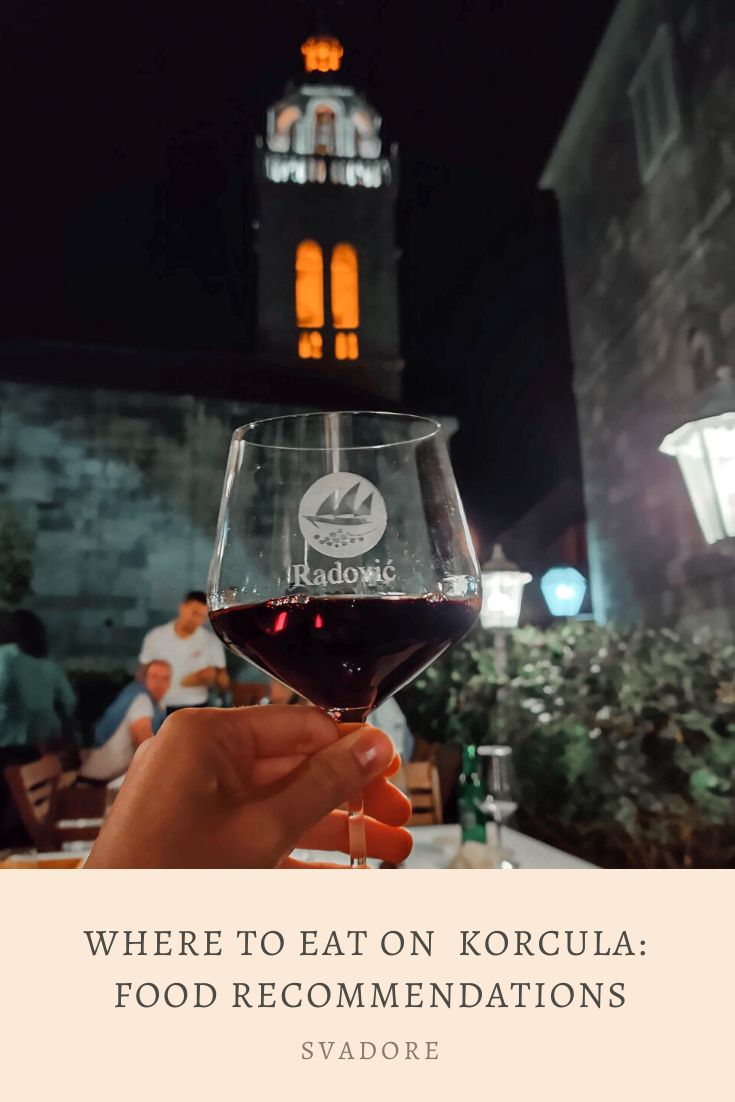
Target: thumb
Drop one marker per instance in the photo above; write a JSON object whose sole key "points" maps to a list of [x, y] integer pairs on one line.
{"points": [[329, 778]]}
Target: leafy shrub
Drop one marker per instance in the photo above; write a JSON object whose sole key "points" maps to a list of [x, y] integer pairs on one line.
{"points": [[624, 742]]}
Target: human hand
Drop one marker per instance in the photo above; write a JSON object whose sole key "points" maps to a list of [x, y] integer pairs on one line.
{"points": [[242, 787]]}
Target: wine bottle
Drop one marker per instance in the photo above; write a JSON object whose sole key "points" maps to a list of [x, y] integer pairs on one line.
{"points": [[471, 794]]}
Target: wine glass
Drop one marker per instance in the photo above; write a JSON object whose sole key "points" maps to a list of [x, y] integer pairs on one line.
{"points": [[342, 564], [500, 802]]}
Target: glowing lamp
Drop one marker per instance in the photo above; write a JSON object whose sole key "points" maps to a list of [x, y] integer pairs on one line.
{"points": [[705, 451], [563, 588], [322, 54], [502, 591]]}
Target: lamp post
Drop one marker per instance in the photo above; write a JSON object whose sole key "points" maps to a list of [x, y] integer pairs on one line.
{"points": [[563, 588], [502, 593], [705, 451]]}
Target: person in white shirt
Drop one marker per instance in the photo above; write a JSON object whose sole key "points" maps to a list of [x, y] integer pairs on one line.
{"points": [[195, 654], [112, 758]]}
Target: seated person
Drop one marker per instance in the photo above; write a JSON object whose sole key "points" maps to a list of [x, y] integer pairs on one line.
{"points": [[36, 699], [134, 716]]}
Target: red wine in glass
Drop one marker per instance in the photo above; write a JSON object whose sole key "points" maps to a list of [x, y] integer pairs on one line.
{"points": [[342, 563], [345, 654]]}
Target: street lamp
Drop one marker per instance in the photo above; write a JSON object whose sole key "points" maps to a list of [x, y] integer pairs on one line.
{"points": [[563, 588], [705, 451], [502, 592]]}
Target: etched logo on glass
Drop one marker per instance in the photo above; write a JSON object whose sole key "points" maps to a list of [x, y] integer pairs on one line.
{"points": [[342, 515]]}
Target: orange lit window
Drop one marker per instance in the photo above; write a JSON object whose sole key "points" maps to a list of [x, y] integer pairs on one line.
{"points": [[346, 346], [340, 346], [309, 286], [310, 346], [345, 291]]}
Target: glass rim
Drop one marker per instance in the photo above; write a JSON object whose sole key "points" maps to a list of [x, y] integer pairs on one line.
{"points": [[433, 427]]}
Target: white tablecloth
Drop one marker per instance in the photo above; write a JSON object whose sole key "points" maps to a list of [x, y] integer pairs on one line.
{"points": [[435, 846]]}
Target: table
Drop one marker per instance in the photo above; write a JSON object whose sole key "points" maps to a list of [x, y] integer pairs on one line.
{"points": [[435, 846]]}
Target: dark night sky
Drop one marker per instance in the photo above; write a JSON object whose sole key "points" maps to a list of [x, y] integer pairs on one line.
{"points": [[110, 103]]}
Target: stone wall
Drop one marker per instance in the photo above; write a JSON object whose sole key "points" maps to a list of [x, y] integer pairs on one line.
{"points": [[120, 491], [651, 292]]}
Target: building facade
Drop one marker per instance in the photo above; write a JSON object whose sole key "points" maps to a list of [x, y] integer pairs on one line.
{"points": [[644, 174], [112, 458]]}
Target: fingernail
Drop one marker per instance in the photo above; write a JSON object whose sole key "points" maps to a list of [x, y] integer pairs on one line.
{"points": [[373, 750]]}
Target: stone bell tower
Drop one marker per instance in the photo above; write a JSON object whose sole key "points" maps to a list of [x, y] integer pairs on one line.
{"points": [[325, 232]]}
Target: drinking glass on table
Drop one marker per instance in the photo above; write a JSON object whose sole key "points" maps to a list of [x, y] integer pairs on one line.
{"points": [[342, 564], [500, 802]]}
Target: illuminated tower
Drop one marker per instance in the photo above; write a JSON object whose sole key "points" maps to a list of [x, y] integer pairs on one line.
{"points": [[326, 250]]}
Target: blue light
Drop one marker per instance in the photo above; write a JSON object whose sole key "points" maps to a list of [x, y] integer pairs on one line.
{"points": [[563, 588]]}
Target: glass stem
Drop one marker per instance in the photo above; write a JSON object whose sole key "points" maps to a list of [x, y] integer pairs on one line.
{"points": [[356, 815], [356, 827]]}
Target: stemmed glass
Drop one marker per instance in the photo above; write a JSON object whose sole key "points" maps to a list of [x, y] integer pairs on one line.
{"points": [[500, 802], [342, 564]]}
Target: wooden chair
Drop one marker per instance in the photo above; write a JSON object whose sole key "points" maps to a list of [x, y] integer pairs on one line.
{"points": [[68, 861], [35, 789], [424, 792]]}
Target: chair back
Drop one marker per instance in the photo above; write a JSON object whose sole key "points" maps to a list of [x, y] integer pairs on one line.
{"points": [[424, 792], [35, 788]]}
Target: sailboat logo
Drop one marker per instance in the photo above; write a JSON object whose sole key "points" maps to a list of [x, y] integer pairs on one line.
{"points": [[342, 515]]}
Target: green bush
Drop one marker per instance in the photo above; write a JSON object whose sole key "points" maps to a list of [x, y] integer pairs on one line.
{"points": [[624, 742]]}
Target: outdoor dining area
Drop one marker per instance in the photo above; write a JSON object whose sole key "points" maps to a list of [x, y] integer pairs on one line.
{"points": [[61, 821]]}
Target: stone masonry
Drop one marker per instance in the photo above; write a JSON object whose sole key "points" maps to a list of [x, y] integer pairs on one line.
{"points": [[121, 492], [651, 292]]}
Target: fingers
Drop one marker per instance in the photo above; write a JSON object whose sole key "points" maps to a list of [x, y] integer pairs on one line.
{"points": [[228, 742], [327, 779], [384, 801], [394, 766], [271, 770], [262, 746], [267, 770], [384, 842], [350, 728], [275, 731]]}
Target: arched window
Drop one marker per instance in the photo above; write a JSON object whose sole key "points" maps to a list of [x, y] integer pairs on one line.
{"points": [[309, 286], [345, 288], [325, 132]]}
